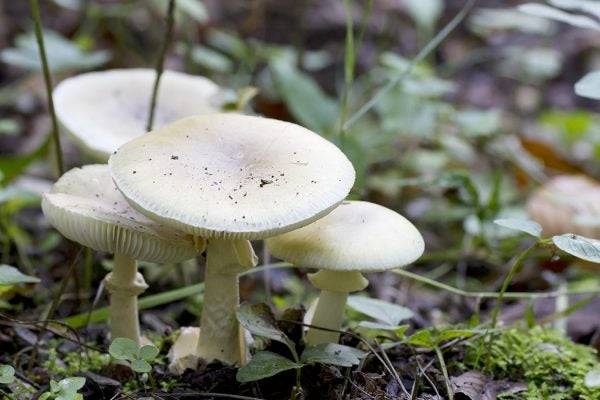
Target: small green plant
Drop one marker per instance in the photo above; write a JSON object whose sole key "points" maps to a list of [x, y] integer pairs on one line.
{"points": [[65, 389], [260, 321], [139, 358], [7, 374]]}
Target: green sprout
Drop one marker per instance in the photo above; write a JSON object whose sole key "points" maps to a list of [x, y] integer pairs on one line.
{"points": [[66, 389], [139, 358], [7, 374]]}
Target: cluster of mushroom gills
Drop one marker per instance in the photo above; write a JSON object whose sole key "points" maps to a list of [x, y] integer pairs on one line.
{"points": [[354, 238]]}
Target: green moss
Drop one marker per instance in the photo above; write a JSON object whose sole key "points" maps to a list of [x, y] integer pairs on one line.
{"points": [[550, 364]]}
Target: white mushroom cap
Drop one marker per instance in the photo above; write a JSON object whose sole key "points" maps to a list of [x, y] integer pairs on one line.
{"points": [[86, 207], [103, 110], [356, 236], [232, 176]]}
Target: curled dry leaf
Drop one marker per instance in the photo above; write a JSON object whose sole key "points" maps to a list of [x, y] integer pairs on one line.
{"points": [[474, 385], [567, 204]]}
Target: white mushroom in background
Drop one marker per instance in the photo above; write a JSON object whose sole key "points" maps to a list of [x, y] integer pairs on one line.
{"points": [[85, 206], [354, 238], [103, 110], [230, 178]]}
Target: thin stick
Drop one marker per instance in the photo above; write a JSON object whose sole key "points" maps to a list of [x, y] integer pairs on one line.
{"points": [[161, 61], [37, 20]]}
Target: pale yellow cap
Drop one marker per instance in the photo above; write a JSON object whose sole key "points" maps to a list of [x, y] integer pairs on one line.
{"points": [[232, 176], [103, 110], [356, 236]]}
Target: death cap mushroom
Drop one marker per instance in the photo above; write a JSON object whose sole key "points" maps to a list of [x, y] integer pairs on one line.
{"points": [[103, 110], [86, 207], [354, 238]]}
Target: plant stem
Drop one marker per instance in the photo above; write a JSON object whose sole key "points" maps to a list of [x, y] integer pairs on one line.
{"points": [[440, 357], [161, 61], [37, 20], [418, 58]]}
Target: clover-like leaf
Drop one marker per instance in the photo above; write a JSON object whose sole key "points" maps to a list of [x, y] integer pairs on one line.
{"points": [[522, 225], [259, 320], [7, 374], [390, 314], [123, 349], [148, 352], [578, 246], [141, 366], [11, 276]]}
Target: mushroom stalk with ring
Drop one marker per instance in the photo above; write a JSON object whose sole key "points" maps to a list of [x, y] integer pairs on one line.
{"points": [[124, 285], [220, 333]]}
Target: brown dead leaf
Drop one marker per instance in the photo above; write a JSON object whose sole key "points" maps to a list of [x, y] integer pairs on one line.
{"points": [[473, 385]]}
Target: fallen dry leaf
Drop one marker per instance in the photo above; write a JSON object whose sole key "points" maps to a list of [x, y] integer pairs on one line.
{"points": [[474, 385]]}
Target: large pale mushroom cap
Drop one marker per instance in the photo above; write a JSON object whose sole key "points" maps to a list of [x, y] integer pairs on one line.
{"points": [[356, 236], [232, 176], [86, 207], [103, 110]]}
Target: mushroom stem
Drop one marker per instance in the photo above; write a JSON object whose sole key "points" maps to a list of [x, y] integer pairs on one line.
{"points": [[329, 316], [124, 285], [220, 334], [329, 312]]}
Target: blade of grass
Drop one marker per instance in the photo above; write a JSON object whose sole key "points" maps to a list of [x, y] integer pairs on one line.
{"points": [[435, 42], [37, 20]]}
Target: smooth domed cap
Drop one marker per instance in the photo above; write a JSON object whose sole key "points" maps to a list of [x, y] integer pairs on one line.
{"points": [[103, 110], [232, 176], [86, 207], [356, 236]]}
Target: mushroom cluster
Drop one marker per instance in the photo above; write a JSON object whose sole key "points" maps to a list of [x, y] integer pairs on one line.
{"points": [[230, 178]]}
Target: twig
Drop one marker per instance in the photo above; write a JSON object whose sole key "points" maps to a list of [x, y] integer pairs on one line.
{"points": [[37, 20], [161, 61]]}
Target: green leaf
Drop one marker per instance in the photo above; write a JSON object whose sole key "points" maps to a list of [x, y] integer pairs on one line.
{"points": [[7, 374], [263, 365], [390, 314], [148, 352], [522, 225], [259, 320], [578, 246], [450, 334], [421, 338], [425, 12], [332, 353], [62, 54], [304, 98], [13, 166], [140, 366], [123, 349], [12, 276], [71, 385], [589, 86], [542, 10], [384, 327]]}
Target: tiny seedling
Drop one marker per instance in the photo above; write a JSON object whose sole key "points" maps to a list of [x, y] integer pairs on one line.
{"points": [[139, 358], [65, 389], [7, 374], [259, 320]]}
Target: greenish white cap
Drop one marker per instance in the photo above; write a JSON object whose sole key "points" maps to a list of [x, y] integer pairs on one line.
{"points": [[103, 110], [232, 176], [356, 236], [85, 206]]}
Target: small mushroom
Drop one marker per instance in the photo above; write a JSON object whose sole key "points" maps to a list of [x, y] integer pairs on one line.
{"points": [[354, 238], [217, 188], [103, 110], [85, 206]]}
